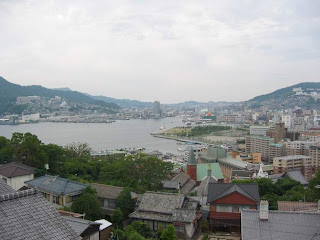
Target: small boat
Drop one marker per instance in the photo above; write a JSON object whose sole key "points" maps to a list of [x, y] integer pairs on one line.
{"points": [[181, 149]]}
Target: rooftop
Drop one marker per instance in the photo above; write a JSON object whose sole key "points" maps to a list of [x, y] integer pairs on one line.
{"points": [[27, 215], [280, 225], [297, 206], [219, 190], [292, 157], [14, 169], [57, 185], [107, 191], [233, 162]]}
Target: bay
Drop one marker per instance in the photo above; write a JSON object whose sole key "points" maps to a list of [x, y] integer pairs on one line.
{"points": [[102, 136]]}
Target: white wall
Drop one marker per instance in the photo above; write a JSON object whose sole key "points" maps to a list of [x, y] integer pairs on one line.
{"points": [[17, 182]]}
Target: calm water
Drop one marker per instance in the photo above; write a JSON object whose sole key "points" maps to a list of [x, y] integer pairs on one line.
{"points": [[102, 136]]}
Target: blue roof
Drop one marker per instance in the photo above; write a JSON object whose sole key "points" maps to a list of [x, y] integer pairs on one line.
{"points": [[56, 185]]}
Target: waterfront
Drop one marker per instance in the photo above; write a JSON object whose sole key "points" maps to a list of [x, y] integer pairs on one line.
{"points": [[102, 136]]}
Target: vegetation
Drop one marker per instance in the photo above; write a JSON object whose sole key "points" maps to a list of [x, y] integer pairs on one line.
{"points": [[285, 190], [196, 131], [117, 218], [88, 204], [138, 172], [125, 202]]}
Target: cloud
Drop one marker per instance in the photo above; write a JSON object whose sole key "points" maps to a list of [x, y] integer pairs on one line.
{"points": [[161, 50]]}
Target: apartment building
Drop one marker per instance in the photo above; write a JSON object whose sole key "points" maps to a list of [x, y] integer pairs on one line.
{"points": [[293, 162], [314, 153], [259, 144], [231, 118], [276, 150], [259, 130], [277, 132], [298, 147]]}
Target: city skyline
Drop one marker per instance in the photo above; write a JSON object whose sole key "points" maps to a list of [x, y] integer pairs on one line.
{"points": [[167, 51]]}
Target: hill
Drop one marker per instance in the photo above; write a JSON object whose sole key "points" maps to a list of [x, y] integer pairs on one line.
{"points": [[286, 97], [10, 91]]}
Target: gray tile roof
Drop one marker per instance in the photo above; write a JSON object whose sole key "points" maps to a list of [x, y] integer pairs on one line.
{"points": [[219, 190], [14, 169], [107, 191], [184, 215], [27, 215], [186, 188], [79, 225], [280, 225], [182, 178], [164, 207], [57, 185], [161, 202], [171, 185], [297, 175], [202, 190], [5, 188]]}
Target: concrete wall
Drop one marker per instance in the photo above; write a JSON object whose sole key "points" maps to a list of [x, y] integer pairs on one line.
{"points": [[17, 182]]}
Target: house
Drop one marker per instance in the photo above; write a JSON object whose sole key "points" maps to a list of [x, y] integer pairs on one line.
{"points": [[58, 191], [107, 195], [158, 209], [180, 182], [226, 201], [104, 230], [15, 174], [298, 206], [291, 174], [267, 225], [198, 171], [27, 215], [88, 230]]}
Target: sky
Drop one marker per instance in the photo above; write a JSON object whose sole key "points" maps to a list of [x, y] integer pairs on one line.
{"points": [[166, 50]]}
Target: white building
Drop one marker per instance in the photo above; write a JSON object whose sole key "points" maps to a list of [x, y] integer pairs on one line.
{"points": [[259, 130], [31, 117], [286, 119], [15, 174]]}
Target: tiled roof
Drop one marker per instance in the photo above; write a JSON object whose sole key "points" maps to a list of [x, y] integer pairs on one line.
{"points": [[14, 169], [161, 202], [188, 187], [57, 185], [165, 207], [27, 215], [107, 191], [297, 175], [5, 188], [219, 190], [79, 225], [184, 215], [182, 178], [280, 225], [202, 190], [297, 206], [202, 170]]}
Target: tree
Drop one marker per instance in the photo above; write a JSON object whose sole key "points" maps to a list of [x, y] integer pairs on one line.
{"points": [[125, 202], [6, 150], [89, 204], [169, 233], [140, 227], [81, 151], [117, 218], [28, 149], [56, 157]]}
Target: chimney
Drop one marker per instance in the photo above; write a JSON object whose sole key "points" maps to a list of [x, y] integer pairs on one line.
{"points": [[264, 209]]}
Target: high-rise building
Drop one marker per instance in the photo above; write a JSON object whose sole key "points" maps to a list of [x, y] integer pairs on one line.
{"points": [[293, 162], [314, 153], [277, 132], [156, 109], [259, 130], [259, 144]]}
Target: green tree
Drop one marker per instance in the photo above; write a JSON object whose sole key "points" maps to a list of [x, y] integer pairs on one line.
{"points": [[125, 202], [89, 204], [117, 218], [6, 150], [80, 151], [28, 149], [56, 157], [169, 233], [140, 227]]}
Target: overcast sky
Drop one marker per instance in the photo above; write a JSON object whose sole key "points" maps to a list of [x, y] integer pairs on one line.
{"points": [[167, 50]]}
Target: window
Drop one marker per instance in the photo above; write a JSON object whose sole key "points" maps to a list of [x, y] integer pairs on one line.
{"points": [[224, 208], [5, 180]]}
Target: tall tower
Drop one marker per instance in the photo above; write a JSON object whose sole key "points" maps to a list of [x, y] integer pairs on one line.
{"points": [[156, 109], [192, 166]]}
